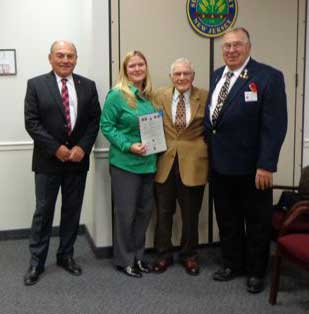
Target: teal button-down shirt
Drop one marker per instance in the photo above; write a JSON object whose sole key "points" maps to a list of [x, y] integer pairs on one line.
{"points": [[119, 123]]}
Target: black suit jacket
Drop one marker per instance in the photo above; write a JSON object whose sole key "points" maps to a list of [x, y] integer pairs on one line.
{"points": [[248, 133], [45, 122]]}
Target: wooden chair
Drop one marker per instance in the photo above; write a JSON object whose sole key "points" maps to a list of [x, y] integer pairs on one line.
{"points": [[292, 244]]}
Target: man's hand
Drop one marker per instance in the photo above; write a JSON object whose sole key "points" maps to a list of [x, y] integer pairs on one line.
{"points": [[77, 154], [263, 179], [63, 153], [138, 149]]}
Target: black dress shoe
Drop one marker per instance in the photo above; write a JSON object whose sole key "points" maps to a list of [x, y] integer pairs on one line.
{"points": [[143, 267], [130, 271], [225, 274], [191, 266], [255, 284], [69, 265], [161, 265], [32, 275]]}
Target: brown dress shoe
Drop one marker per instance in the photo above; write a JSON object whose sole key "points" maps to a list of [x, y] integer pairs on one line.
{"points": [[161, 265], [192, 266]]}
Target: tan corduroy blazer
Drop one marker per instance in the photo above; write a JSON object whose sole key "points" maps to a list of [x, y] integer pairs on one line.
{"points": [[188, 143]]}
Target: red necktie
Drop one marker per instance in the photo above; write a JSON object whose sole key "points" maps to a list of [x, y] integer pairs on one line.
{"points": [[66, 104]]}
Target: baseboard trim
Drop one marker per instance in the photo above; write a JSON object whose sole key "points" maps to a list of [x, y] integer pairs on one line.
{"points": [[107, 252], [99, 252], [20, 234]]}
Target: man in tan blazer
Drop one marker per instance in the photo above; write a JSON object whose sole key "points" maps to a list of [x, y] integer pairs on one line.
{"points": [[183, 168]]}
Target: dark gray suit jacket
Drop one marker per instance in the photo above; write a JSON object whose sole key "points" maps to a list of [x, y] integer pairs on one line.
{"points": [[45, 122]]}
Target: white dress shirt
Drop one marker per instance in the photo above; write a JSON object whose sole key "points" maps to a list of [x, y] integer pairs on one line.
{"points": [[72, 97], [215, 94], [187, 105]]}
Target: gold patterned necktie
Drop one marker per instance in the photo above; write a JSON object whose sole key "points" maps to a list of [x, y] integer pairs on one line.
{"points": [[224, 91], [180, 119]]}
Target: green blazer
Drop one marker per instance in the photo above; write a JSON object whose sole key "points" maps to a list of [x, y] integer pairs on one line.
{"points": [[119, 124]]}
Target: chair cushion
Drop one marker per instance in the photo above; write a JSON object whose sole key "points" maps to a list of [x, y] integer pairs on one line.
{"points": [[296, 245]]}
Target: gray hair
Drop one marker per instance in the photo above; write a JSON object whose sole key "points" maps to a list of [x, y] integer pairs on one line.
{"points": [[239, 29], [182, 61], [52, 47]]}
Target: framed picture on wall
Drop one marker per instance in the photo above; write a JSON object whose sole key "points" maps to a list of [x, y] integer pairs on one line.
{"points": [[8, 62]]}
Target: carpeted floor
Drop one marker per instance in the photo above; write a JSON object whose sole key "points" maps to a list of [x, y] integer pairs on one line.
{"points": [[103, 290]]}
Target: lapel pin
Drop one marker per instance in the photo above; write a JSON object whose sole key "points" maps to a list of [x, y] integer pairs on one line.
{"points": [[244, 74]]}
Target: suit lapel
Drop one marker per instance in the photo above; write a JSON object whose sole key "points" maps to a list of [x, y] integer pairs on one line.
{"points": [[213, 84], [194, 103], [167, 103], [78, 88], [54, 91], [238, 87]]}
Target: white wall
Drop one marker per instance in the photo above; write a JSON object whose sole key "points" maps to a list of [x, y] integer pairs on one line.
{"points": [[99, 223], [30, 27]]}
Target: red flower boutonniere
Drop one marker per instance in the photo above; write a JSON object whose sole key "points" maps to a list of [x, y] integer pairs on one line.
{"points": [[253, 87]]}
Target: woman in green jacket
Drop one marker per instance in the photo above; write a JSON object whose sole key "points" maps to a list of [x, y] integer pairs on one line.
{"points": [[132, 172]]}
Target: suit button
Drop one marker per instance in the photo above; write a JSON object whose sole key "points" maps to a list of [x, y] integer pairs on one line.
{"points": [[66, 143], [214, 131]]}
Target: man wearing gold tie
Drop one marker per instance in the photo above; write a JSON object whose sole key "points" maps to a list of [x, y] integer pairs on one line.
{"points": [[182, 170], [245, 125]]}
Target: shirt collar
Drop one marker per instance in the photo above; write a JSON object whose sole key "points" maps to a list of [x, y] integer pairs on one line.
{"points": [[186, 95], [238, 71], [134, 89], [69, 78]]}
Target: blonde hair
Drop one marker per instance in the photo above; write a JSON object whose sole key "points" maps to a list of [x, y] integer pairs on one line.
{"points": [[123, 80]]}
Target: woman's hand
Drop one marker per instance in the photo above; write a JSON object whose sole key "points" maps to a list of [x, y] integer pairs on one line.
{"points": [[138, 149]]}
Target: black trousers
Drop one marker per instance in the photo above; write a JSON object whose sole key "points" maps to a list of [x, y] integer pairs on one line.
{"points": [[244, 219], [190, 201], [46, 191]]}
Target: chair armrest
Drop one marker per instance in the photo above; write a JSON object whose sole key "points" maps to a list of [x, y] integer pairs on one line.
{"points": [[285, 187], [297, 210]]}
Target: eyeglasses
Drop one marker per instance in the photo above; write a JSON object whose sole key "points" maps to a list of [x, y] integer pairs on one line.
{"points": [[184, 74], [235, 44]]}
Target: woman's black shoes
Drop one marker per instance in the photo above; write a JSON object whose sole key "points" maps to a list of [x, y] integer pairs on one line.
{"points": [[143, 267], [136, 270], [131, 271]]}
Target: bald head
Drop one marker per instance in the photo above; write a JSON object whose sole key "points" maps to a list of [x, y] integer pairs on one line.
{"points": [[60, 43]]}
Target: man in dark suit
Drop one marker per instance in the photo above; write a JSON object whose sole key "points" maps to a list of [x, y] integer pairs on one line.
{"points": [[62, 116], [245, 125]]}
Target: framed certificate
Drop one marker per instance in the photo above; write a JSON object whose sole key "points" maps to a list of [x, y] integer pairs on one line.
{"points": [[152, 133], [8, 62]]}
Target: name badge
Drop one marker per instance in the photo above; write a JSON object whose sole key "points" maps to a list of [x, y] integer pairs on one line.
{"points": [[251, 96]]}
